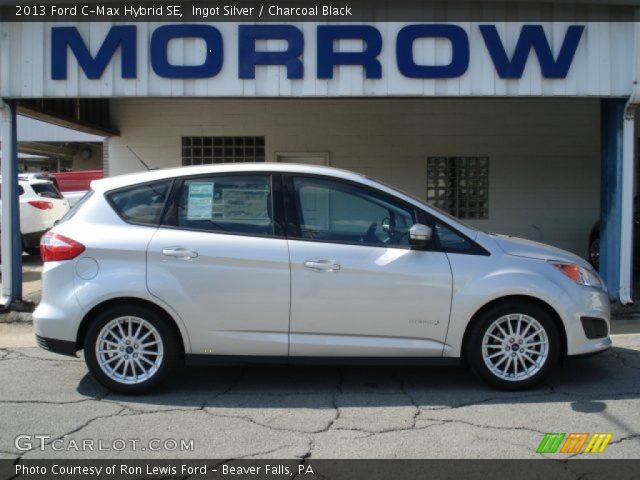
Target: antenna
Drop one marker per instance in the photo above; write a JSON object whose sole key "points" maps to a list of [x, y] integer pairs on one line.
{"points": [[138, 157]]}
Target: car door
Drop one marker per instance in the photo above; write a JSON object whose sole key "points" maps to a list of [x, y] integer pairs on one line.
{"points": [[221, 262], [357, 287]]}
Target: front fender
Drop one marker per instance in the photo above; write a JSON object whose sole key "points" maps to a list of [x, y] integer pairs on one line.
{"points": [[480, 280]]}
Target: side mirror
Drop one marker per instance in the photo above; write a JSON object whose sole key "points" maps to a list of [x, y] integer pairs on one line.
{"points": [[420, 236]]}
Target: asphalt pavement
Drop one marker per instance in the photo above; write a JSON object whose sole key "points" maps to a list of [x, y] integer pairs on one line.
{"points": [[311, 412], [51, 404]]}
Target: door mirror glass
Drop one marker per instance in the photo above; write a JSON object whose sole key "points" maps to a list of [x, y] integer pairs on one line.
{"points": [[420, 235]]}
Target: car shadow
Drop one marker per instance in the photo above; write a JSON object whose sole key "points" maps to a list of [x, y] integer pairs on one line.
{"points": [[585, 382]]}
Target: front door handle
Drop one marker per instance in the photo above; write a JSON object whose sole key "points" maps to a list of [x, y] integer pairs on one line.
{"points": [[322, 265], [179, 252]]}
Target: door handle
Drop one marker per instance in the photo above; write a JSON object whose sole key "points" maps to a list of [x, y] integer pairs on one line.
{"points": [[179, 252], [322, 265]]}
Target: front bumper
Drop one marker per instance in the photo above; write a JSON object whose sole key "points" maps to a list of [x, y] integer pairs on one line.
{"points": [[587, 321]]}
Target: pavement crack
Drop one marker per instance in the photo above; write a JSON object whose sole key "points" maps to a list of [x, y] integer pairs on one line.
{"points": [[633, 436], [373, 433], [259, 424], [485, 426], [413, 402], [486, 400], [233, 384], [86, 424]]}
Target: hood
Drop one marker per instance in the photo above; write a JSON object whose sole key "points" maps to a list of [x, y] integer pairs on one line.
{"points": [[519, 247]]}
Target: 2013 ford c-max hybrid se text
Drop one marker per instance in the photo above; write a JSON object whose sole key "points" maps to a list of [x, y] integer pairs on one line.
{"points": [[300, 263]]}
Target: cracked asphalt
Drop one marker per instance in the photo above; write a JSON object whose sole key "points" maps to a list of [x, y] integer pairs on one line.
{"points": [[319, 412]]}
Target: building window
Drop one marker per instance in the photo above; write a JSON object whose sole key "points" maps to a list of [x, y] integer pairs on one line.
{"points": [[459, 185], [208, 150]]}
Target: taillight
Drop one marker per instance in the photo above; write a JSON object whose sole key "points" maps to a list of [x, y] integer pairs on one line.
{"points": [[41, 204], [55, 247]]}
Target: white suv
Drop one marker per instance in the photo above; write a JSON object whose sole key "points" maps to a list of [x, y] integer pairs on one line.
{"points": [[41, 205], [240, 263]]}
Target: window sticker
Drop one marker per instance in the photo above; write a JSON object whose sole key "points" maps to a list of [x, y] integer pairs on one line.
{"points": [[245, 204], [200, 201]]}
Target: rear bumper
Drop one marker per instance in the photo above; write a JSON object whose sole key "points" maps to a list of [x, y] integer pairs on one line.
{"points": [[62, 347]]}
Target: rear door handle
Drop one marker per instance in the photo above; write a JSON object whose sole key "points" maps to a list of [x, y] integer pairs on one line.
{"points": [[322, 265], [179, 252]]}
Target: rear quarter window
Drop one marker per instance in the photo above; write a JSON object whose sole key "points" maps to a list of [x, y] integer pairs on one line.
{"points": [[76, 207], [140, 204]]}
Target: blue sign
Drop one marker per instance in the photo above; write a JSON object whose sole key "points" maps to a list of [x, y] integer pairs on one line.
{"points": [[65, 40]]}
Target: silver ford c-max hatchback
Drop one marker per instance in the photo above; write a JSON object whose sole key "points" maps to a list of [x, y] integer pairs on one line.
{"points": [[242, 262]]}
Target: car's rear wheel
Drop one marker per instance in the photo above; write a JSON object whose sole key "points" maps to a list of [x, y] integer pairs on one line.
{"points": [[130, 349], [513, 346]]}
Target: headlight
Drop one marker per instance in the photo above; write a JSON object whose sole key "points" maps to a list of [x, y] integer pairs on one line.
{"points": [[578, 274]]}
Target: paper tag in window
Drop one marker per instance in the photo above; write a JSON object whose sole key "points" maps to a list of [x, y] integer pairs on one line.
{"points": [[200, 201]]}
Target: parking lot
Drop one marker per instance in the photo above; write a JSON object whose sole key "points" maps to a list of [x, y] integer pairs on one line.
{"points": [[317, 412]]}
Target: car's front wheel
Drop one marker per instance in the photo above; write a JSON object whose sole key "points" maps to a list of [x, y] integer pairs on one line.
{"points": [[513, 345], [130, 349]]}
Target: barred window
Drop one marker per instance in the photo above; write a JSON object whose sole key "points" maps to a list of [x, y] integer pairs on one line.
{"points": [[459, 185], [208, 150]]}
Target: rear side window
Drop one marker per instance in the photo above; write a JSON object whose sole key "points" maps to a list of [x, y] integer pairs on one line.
{"points": [[46, 190], [237, 204], [140, 204]]}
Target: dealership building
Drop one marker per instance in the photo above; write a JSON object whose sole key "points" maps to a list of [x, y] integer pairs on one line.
{"points": [[518, 118]]}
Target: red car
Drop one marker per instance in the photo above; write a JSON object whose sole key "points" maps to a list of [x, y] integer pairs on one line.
{"points": [[74, 185]]}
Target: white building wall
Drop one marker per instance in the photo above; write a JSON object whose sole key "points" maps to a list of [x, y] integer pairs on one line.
{"points": [[544, 153]]}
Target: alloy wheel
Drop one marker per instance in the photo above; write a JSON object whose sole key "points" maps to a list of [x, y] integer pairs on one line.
{"points": [[129, 350], [515, 347]]}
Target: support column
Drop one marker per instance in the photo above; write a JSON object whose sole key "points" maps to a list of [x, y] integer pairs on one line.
{"points": [[616, 199], [10, 239]]}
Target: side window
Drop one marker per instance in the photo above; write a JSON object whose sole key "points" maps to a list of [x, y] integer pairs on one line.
{"points": [[239, 204], [339, 212], [140, 204], [451, 241]]}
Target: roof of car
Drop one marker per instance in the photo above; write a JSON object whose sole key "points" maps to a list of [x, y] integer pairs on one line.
{"points": [[133, 178]]}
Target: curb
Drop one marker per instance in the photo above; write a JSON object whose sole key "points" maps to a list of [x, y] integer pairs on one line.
{"points": [[16, 317]]}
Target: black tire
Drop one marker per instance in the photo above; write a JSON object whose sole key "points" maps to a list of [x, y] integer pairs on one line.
{"points": [[169, 344], [473, 348]]}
